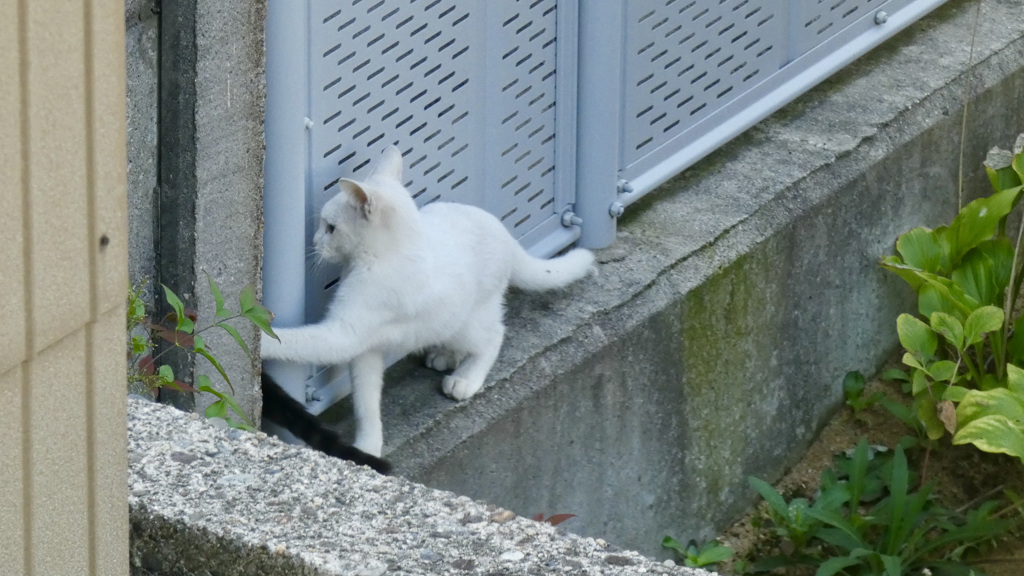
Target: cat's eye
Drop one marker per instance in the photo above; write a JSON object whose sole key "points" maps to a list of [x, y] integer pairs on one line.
{"points": [[329, 228]]}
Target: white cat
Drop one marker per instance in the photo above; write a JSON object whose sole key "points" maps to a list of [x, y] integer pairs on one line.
{"points": [[431, 279]]}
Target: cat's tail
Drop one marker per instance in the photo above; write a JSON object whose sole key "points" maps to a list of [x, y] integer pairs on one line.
{"points": [[537, 274], [280, 408]]}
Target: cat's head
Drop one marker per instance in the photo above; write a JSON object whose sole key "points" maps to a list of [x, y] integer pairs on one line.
{"points": [[367, 217]]}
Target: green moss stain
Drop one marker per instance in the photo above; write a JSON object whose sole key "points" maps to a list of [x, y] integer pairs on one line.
{"points": [[730, 327]]}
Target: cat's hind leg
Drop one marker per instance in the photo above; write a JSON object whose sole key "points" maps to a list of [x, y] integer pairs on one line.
{"points": [[481, 341], [442, 359]]}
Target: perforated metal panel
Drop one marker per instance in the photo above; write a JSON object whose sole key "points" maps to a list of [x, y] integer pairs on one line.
{"points": [[685, 59], [483, 102], [467, 91], [818, 20]]}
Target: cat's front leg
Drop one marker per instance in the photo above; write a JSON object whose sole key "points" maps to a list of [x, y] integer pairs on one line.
{"points": [[367, 382], [312, 344]]}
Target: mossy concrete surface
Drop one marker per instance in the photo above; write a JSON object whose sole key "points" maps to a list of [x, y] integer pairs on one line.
{"points": [[713, 343]]}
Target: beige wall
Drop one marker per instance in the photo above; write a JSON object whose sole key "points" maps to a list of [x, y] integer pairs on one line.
{"points": [[63, 504]]}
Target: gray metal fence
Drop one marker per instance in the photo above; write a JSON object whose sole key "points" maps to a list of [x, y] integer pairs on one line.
{"points": [[554, 115]]}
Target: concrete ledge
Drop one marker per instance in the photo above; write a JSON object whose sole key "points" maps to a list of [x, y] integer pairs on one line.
{"points": [[712, 345], [213, 501]]}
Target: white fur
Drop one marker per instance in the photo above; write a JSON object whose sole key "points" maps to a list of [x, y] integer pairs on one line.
{"points": [[431, 279]]}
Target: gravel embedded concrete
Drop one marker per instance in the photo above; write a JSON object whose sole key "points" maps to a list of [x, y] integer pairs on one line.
{"points": [[209, 500]]}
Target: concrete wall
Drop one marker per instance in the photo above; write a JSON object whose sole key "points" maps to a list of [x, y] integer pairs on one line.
{"points": [[713, 343], [63, 240], [195, 130]]}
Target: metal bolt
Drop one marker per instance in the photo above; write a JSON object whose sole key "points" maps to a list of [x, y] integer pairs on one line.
{"points": [[570, 219], [624, 187], [616, 209], [881, 17], [307, 123]]}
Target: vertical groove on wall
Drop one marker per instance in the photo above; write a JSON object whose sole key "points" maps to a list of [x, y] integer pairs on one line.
{"points": [[26, 246], [176, 201], [88, 55]]}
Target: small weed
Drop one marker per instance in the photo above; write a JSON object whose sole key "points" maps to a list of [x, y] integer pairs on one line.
{"points": [[180, 329], [706, 556]]}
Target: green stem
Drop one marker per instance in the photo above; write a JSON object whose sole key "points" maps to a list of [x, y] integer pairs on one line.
{"points": [[194, 333], [1013, 289], [998, 353], [979, 357], [975, 376]]}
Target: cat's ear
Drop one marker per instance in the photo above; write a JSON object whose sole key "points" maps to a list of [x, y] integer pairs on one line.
{"points": [[389, 165], [358, 196]]}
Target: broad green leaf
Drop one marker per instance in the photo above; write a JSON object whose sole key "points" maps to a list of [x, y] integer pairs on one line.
{"points": [[982, 321], [920, 248], [853, 384], [1000, 252], [995, 402], [671, 543], [984, 272], [1018, 164], [1015, 379], [198, 343], [978, 221], [955, 393], [943, 370], [246, 299], [166, 373], [909, 274], [234, 334], [1003, 171], [910, 360], [916, 336], [928, 415], [949, 327], [895, 375], [975, 275], [996, 434], [714, 555], [919, 382], [218, 298], [930, 300]]}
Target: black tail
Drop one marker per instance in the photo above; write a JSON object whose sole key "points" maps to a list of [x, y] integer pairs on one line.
{"points": [[287, 412]]}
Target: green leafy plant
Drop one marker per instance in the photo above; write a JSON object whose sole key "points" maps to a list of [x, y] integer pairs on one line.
{"points": [[854, 384], [706, 556], [961, 356], [180, 330], [871, 522]]}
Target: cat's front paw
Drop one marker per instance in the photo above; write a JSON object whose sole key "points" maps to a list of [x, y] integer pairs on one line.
{"points": [[370, 442], [459, 388]]}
